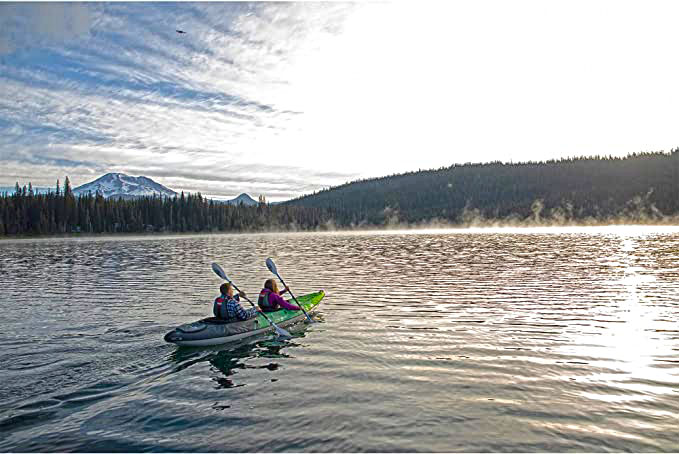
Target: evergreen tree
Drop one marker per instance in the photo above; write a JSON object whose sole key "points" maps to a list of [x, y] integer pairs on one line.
{"points": [[643, 187], [67, 187]]}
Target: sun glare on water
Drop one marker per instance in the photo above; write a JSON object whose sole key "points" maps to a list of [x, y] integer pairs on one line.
{"points": [[619, 230]]}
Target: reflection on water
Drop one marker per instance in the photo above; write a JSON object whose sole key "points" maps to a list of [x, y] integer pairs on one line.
{"points": [[476, 340], [226, 360]]}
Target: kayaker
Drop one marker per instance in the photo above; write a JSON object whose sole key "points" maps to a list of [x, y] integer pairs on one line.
{"points": [[227, 305], [270, 298]]}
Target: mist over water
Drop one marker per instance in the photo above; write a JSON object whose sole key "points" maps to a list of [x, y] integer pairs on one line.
{"points": [[544, 339], [639, 210]]}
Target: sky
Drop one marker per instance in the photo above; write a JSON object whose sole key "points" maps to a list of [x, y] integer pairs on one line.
{"points": [[283, 99]]}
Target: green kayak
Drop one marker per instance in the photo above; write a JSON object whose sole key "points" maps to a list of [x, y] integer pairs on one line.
{"points": [[212, 331]]}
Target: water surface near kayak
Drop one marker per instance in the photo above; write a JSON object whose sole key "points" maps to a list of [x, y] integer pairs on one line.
{"points": [[487, 340]]}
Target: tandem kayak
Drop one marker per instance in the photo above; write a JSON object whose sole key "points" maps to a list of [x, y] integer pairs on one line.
{"points": [[212, 331]]}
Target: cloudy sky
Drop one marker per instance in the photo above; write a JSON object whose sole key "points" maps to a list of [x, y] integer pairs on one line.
{"points": [[282, 99]]}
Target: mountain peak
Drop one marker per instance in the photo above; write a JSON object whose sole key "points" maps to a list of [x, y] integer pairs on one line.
{"points": [[244, 198], [115, 184]]}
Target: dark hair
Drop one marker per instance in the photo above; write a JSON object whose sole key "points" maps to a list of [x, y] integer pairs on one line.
{"points": [[224, 288]]}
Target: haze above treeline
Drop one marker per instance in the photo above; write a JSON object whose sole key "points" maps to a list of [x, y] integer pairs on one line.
{"points": [[639, 188]]}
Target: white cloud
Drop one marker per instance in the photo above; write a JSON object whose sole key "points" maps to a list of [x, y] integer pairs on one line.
{"points": [[314, 94], [25, 25]]}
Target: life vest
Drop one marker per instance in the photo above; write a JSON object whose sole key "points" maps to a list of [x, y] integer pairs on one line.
{"points": [[219, 308], [264, 303]]}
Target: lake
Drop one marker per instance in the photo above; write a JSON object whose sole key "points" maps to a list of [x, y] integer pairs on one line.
{"points": [[562, 339]]}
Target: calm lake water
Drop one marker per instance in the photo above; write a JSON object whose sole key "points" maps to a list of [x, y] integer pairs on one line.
{"points": [[486, 340]]}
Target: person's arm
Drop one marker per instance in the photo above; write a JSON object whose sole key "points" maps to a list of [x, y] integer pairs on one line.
{"points": [[245, 314], [284, 304], [286, 289]]}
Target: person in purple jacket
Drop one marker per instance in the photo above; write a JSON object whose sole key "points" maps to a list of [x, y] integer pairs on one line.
{"points": [[270, 298]]}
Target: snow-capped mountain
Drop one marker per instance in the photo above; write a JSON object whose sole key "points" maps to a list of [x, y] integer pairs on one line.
{"points": [[121, 185]]}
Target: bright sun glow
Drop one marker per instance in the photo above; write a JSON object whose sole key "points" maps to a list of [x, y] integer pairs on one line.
{"points": [[407, 86]]}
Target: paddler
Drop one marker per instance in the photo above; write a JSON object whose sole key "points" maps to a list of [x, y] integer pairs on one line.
{"points": [[227, 305], [270, 298]]}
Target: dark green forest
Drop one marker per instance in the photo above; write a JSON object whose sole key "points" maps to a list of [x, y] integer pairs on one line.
{"points": [[642, 187], [61, 212], [639, 188]]}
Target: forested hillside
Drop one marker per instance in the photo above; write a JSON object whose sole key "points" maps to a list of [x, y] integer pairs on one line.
{"points": [[640, 187], [637, 188]]}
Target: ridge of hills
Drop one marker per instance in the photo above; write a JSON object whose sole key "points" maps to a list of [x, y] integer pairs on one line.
{"points": [[638, 186]]}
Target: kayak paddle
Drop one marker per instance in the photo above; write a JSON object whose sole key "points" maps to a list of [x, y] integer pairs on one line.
{"points": [[272, 267], [220, 272]]}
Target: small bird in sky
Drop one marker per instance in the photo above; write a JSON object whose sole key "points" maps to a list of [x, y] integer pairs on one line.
{"points": [[180, 31]]}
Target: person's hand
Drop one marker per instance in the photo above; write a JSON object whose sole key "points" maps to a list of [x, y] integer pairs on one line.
{"points": [[242, 294], [286, 289]]}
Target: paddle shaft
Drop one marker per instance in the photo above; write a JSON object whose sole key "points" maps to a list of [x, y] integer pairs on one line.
{"points": [[245, 297], [294, 297], [253, 305]]}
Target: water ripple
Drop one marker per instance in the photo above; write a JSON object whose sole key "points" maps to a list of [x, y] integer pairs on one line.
{"points": [[429, 341]]}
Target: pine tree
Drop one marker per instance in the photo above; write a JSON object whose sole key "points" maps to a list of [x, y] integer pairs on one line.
{"points": [[67, 187]]}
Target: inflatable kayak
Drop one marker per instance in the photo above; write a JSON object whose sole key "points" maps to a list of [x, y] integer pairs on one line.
{"points": [[212, 331]]}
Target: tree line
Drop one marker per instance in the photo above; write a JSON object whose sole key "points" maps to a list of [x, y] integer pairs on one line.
{"points": [[639, 187], [27, 213]]}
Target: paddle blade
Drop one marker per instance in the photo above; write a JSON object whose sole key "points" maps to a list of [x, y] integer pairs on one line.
{"points": [[272, 266], [219, 271], [282, 333]]}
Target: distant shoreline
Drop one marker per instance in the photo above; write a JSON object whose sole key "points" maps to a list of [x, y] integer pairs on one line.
{"points": [[481, 226]]}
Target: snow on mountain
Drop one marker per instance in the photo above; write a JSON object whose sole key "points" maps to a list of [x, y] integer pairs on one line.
{"points": [[121, 185], [117, 185]]}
